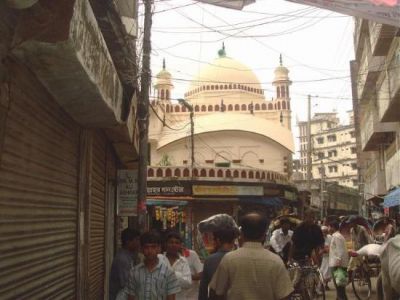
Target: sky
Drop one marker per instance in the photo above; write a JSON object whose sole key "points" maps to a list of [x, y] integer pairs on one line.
{"points": [[316, 46]]}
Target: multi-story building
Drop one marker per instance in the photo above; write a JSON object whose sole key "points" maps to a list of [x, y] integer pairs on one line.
{"points": [[376, 102], [333, 150]]}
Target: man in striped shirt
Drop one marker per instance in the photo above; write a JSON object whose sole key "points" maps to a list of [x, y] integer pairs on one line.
{"points": [[153, 279]]}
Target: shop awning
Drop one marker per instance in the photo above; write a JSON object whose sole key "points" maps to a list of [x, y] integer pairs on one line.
{"points": [[169, 202], [392, 199], [266, 201]]}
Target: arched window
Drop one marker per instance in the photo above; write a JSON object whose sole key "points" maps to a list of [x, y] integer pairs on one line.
{"points": [[159, 173], [287, 91], [203, 108], [228, 173], [244, 107], [183, 109], [150, 172], [263, 175], [269, 176], [257, 106], [270, 106], [278, 92], [220, 173], [211, 173], [237, 107], [177, 172], [235, 86], [257, 175], [208, 87], [236, 174], [283, 104], [168, 172], [216, 87], [177, 108], [221, 87], [162, 94], [196, 108], [243, 174], [217, 107], [212, 87], [167, 94], [186, 173], [263, 106], [167, 108], [250, 106], [210, 108], [279, 105], [195, 172], [230, 107], [203, 173], [283, 91], [251, 175]]}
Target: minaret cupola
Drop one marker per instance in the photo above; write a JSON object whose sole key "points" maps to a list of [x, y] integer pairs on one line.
{"points": [[163, 85]]}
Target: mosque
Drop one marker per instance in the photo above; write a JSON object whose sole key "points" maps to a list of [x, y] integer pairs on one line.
{"points": [[236, 151]]}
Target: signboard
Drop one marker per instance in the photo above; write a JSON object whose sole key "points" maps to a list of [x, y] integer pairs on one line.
{"points": [[290, 195], [380, 11], [127, 191], [227, 190], [168, 188]]}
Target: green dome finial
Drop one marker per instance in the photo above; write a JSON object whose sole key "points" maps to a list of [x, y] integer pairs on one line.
{"points": [[222, 52], [280, 59], [163, 64]]}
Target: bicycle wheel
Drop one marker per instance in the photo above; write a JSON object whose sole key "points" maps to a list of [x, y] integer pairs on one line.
{"points": [[361, 283], [315, 287]]}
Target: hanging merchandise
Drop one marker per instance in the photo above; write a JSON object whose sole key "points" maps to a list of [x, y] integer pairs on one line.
{"points": [[158, 213], [164, 214]]}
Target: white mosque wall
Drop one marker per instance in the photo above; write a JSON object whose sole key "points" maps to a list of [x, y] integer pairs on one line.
{"points": [[241, 149]]}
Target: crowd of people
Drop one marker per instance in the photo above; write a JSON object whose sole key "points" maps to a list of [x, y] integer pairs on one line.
{"points": [[150, 266]]}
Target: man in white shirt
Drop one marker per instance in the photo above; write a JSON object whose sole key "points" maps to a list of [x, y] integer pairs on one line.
{"points": [[178, 263], [281, 239], [196, 269], [338, 258]]}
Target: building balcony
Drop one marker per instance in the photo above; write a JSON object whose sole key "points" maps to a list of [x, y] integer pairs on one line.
{"points": [[391, 95], [360, 28], [374, 133], [381, 37], [216, 174], [370, 68], [374, 180]]}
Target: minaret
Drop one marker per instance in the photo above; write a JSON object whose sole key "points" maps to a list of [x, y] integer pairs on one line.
{"points": [[282, 83], [163, 85]]}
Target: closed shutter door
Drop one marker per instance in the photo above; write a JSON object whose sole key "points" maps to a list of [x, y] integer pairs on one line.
{"points": [[39, 196], [97, 218]]}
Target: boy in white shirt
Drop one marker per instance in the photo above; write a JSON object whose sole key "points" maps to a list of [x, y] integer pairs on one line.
{"points": [[338, 259]]}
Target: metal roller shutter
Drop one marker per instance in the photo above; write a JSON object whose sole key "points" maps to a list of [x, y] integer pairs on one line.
{"points": [[96, 244], [39, 194]]}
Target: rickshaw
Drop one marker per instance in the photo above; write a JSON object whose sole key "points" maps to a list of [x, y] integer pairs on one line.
{"points": [[369, 265]]}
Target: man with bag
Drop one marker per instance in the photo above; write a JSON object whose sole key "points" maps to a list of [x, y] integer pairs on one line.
{"points": [[338, 260]]}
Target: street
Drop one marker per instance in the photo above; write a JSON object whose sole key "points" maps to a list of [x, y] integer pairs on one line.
{"points": [[331, 294]]}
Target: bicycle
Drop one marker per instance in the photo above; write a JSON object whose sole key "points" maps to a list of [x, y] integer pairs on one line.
{"points": [[361, 279], [307, 281]]}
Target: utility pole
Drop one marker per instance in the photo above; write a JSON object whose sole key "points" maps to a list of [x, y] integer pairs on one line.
{"points": [[143, 116], [322, 206], [309, 164], [190, 109]]}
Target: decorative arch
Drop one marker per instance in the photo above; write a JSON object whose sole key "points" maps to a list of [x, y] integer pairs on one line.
{"points": [[168, 172], [159, 172], [162, 94], [203, 108], [257, 175], [264, 106], [203, 173], [236, 174], [228, 173], [210, 108], [251, 174], [167, 95], [211, 173], [167, 108], [183, 109], [216, 107], [263, 175], [177, 172], [270, 106], [244, 107], [186, 172], [250, 158], [279, 105], [243, 174], [150, 172], [177, 108], [195, 172], [257, 107], [220, 173], [230, 107], [283, 104], [196, 108], [237, 107], [288, 105]]}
